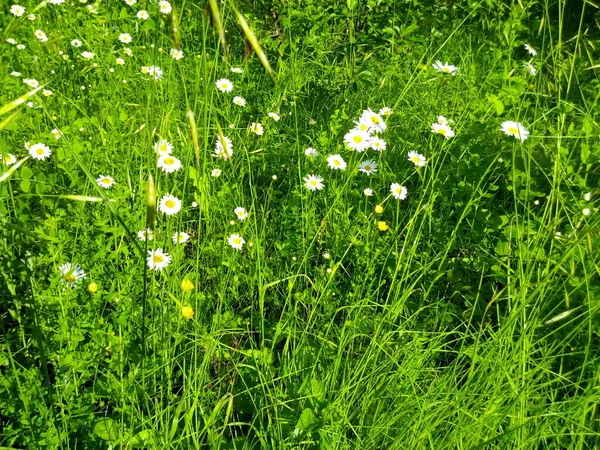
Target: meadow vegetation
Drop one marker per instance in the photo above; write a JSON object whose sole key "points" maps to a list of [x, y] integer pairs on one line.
{"points": [[358, 224]]}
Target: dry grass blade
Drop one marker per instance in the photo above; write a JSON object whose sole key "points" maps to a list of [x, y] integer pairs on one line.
{"points": [[12, 105], [251, 37], [85, 198], [6, 175]]}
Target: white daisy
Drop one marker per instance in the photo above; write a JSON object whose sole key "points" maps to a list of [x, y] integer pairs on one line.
{"points": [[11, 41], [20, 47], [105, 181], [157, 259], [9, 159], [375, 121], [17, 10], [398, 191], [241, 213], [125, 38], [56, 133], [445, 68], [176, 54], [120, 61], [56, 2], [31, 17], [532, 51], [313, 182], [257, 128], [156, 72], [180, 237], [385, 111], [168, 163], [311, 152], [39, 151], [240, 101], [47, 92], [224, 85], [41, 36], [92, 9], [442, 129], [532, 70], [142, 15], [274, 116], [357, 140], [368, 192], [515, 129], [169, 204], [145, 235], [378, 144], [215, 173], [369, 167], [76, 43], [363, 126], [127, 51], [236, 241], [442, 120], [236, 70], [163, 147], [87, 55], [165, 7], [71, 274], [15, 74], [417, 159], [223, 147], [336, 162], [131, 2]]}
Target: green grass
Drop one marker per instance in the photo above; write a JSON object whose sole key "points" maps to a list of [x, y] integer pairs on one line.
{"points": [[468, 324]]}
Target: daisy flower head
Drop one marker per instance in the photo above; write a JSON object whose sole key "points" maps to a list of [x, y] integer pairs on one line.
{"points": [[257, 128], [47, 92], [11, 41], [125, 38], [56, 133], [155, 72], [131, 2], [369, 167], [176, 54], [274, 116], [87, 55], [9, 159], [362, 126], [313, 182], [31, 82], [158, 259], [163, 147], [56, 2], [311, 152], [215, 173], [530, 68], [92, 9], [20, 47], [241, 213], [128, 51], [442, 129], [31, 17], [224, 85], [39, 151], [515, 129], [76, 43], [336, 162], [120, 61], [398, 191], [378, 144], [368, 192], [105, 181], [143, 14], [417, 159], [532, 51], [445, 68], [240, 101], [165, 7], [145, 235], [385, 111], [236, 241], [71, 274], [375, 121], [357, 140], [223, 147], [236, 70], [17, 10], [180, 237], [168, 163], [41, 36], [169, 205], [15, 74], [442, 120]]}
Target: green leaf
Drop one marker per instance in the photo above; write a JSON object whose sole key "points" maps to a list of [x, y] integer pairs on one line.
{"points": [[107, 429], [307, 421], [141, 439]]}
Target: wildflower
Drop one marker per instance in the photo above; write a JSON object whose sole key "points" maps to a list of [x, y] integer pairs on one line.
{"points": [[445, 68], [382, 226], [357, 140], [385, 111], [87, 55], [92, 9], [75, 43], [47, 92], [157, 259], [187, 312], [532, 51], [224, 85], [31, 82], [257, 128], [169, 204], [274, 177], [176, 54], [127, 51], [442, 120], [336, 162], [311, 152], [378, 209], [378, 144], [31, 17], [417, 159], [9, 159], [587, 196], [39, 151], [586, 211], [374, 120], [15, 74], [120, 61], [145, 235], [41, 36], [165, 7], [515, 129], [442, 129], [186, 286], [241, 213], [93, 287], [20, 47], [532, 70], [274, 116], [56, 2], [71, 274], [236, 241], [223, 147], [180, 237], [398, 191], [215, 173], [240, 101], [105, 181], [313, 182], [17, 10], [369, 167], [125, 38], [142, 15], [156, 72], [168, 163], [236, 70], [368, 192], [131, 2], [163, 147]]}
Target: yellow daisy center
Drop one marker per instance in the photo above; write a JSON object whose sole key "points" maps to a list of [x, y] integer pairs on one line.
{"points": [[170, 203], [414, 159], [442, 131], [39, 151], [313, 182], [513, 130], [445, 69], [367, 167], [237, 241], [70, 278], [336, 162], [169, 161], [106, 180], [375, 120], [358, 139], [158, 259], [224, 85]]}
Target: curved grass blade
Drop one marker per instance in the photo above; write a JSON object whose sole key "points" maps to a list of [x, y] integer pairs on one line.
{"points": [[254, 43], [216, 16], [150, 202], [19, 101], [6, 175]]}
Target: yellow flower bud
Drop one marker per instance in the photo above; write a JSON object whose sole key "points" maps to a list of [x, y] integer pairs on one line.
{"points": [[187, 312], [93, 288], [382, 225], [378, 209], [187, 285]]}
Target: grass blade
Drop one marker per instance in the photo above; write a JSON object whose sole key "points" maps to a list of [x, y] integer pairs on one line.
{"points": [[6, 175]]}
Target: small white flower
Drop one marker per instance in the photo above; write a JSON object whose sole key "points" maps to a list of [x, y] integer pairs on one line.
{"points": [[532, 51], [20, 47], [223, 147], [241, 213], [131, 2], [75, 43], [257, 128], [240, 101], [39, 151], [442, 129], [176, 54], [586, 211], [145, 235], [442, 120], [169, 204], [41, 36], [87, 55], [15, 74], [445, 68], [336, 162], [163, 147], [105, 181], [417, 159], [165, 7], [156, 72], [125, 38], [224, 85], [311, 152], [398, 191], [587, 196], [11, 41], [168, 163], [369, 167], [142, 15], [56, 2], [313, 182], [215, 173], [120, 61], [532, 70], [127, 51], [31, 17], [180, 237], [56, 133], [357, 140], [158, 260], [236, 241], [378, 144], [385, 111], [515, 129], [9, 159], [236, 70], [274, 116], [71, 274], [368, 192], [374, 120], [17, 10]]}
